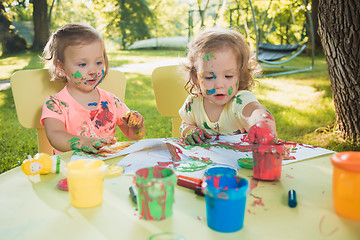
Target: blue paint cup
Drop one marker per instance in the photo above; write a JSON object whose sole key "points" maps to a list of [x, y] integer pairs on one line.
{"points": [[225, 198], [214, 171]]}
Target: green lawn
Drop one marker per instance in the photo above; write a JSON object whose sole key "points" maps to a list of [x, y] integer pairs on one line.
{"points": [[301, 104]]}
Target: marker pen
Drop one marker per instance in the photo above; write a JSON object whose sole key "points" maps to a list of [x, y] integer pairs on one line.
{"points": [[188, 182], [133, 193], [292, 198]]}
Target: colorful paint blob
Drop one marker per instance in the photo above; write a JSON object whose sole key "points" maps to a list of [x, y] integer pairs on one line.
{"points": [[77, 75], [230, 91], [211, 91], [213, 74], [155, 186], [208, 56]]}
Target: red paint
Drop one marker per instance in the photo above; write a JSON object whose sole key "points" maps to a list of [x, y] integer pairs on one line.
{"points": [[267, 161], [261, 133], [322, 230], [289, 176], [253, 183]]}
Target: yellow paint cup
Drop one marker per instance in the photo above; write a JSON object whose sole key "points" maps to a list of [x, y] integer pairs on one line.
{"points": [[346, 184], [85, 179]]}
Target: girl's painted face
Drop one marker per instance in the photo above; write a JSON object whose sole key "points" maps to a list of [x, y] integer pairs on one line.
{"points": [[218, 76], [84, 65]]}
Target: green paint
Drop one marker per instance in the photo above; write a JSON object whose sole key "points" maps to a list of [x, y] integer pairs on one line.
{"points": [[230, 90], [194, 165], [208, 56], [155, 186], [78, 83], [77, 75], [74, 142], [238, 99], [53, 102], [206, 126]]}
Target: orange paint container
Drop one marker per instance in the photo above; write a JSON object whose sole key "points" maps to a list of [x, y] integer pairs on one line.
{"points": [[346, 184]]}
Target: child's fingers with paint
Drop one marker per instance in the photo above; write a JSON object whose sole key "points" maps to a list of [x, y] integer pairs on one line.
{"points": [[133, 119], [196, 136], [85, 144], [108, 140]]}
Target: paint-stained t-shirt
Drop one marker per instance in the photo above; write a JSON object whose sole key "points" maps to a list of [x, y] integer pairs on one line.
{"points": [[100, 122], [231, 120]]}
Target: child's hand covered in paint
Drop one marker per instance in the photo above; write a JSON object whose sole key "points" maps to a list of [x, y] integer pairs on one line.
{"points": [[196, 136], [133, 119], [90, 144], [261, 133]]}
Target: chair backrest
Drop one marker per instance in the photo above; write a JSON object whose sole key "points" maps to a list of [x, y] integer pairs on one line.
{"points": [[31, 87], [168, 83]]}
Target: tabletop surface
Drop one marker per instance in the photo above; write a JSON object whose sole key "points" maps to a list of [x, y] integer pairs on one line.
{"points": [[41, 211]]}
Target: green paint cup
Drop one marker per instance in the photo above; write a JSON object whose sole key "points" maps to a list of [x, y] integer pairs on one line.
{"points": [[155, 187]]}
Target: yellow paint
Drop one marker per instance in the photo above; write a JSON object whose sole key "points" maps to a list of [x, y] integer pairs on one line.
{"points": [[114, 171], [85, 181]]}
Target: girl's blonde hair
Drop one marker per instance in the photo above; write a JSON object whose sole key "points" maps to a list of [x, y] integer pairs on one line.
{"points": [[216, 38], [71, 34]]}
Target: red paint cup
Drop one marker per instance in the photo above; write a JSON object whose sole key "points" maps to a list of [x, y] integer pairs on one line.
{"points": [[267, 161]]}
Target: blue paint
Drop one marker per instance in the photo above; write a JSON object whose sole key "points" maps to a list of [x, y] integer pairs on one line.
{"points": [[102, 77], [212, 91], [213, 74], [92, 104]]}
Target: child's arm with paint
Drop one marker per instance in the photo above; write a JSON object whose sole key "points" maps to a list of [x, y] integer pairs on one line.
{"points": [[63, 141], [133, 125], [262, 124]]}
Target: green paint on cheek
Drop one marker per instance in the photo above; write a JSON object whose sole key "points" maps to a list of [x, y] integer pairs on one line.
{"points": [[230, 90], [78, 83], [77, 75]]}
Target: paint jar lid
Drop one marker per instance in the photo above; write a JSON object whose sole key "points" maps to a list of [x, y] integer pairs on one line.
{"points": [[349, 161]]}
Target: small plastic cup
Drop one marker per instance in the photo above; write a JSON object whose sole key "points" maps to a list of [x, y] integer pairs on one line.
{"points": [[346, 184], [220, 171], [225, 198], [267, 161], [155, 187], [85, 179]]}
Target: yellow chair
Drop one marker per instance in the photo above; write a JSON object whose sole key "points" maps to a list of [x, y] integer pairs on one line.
{"points": [[168, 83], [31, 87]]}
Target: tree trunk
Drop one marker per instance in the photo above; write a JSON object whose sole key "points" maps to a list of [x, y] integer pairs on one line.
{"points": [[339, 29], [41, 26], [314, 17]]}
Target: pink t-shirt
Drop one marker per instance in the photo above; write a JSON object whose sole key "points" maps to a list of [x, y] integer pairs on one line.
{"points": [[100, 122]]}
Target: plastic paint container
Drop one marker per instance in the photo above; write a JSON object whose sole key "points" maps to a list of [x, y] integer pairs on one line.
{"points": [[85, 179], [346, 184], [220, 171], [225, 198], [155, 187], [267, 161]]}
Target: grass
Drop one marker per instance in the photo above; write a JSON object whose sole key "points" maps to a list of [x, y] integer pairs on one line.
{"points": [[301, 104]]}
